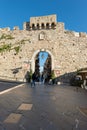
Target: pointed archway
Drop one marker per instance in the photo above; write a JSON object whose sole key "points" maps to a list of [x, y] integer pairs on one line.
{"points": [[42, 64]]}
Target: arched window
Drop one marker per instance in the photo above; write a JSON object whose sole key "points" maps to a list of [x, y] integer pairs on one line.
{"points": [[33, 26], [47, 26], [37, 25], [53, 25], [42, 25]]}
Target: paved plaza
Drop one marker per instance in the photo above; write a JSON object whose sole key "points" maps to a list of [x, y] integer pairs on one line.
{"points": [[43, 107]]}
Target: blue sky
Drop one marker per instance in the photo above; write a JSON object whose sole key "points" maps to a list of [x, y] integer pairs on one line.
{"points": [[72, 12], [43, 56]]}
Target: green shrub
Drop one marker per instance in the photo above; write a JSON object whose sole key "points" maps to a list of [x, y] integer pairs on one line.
{"points": [[5, 48], [4, 36], [29, 76], [52, 74]]}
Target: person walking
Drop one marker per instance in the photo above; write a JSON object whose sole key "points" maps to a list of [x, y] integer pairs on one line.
{"points": [[33, 79]]}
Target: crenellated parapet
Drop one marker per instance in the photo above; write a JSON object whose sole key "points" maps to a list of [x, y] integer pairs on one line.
{"points": [[76, 34], [5, 29], [15, 28], [82, 34]]}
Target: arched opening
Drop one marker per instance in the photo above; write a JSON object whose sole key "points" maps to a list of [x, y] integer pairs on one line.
{"points": [[38, 26], [53, 25], [43, 66], [42, 25], [47, 26], [33, 26]]}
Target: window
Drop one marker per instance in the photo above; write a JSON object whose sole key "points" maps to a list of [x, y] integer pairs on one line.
{"points": [[37, 25], [33, 26], [42, 25], [52, 25], [47, 25]]}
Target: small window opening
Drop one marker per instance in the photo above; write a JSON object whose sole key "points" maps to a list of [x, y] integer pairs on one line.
{"points": [[37, 25], [33, 26], [42, 25], [52, 25], [47, 25]]}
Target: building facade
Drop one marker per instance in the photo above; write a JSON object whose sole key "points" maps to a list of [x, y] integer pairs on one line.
{"points": [[18, 48]]}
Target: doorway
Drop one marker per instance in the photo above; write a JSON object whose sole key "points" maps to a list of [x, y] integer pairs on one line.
{"points": [[43, 66]]}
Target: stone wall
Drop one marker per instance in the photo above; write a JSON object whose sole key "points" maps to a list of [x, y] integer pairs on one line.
{"points": [[68, 50]]}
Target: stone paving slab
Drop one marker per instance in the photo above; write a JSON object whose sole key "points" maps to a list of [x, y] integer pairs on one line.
{"points": [[24, 106], [13, 118]]}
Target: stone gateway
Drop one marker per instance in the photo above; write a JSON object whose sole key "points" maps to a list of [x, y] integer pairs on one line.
{"points": [[19, 48]]}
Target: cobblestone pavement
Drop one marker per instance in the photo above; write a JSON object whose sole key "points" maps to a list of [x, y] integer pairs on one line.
{"points": [[43, 107]]}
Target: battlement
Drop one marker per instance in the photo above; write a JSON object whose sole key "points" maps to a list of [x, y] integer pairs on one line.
{"points": [[76, 34], [15, 28], [5, 29], [43, 22]]}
